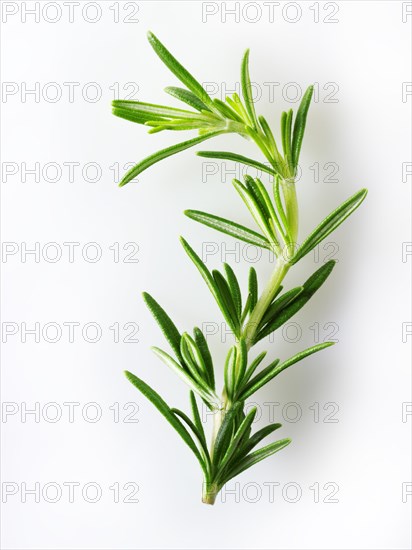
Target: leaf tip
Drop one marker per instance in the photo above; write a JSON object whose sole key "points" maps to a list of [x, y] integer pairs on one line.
{"points": [[129, 375], [331, 264], [328, 344]]}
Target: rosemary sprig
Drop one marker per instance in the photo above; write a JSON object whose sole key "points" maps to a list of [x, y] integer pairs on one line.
{"points": [[251, 317]]}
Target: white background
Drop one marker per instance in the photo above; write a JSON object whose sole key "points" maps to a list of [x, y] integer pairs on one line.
{"points": [[366, 454]]}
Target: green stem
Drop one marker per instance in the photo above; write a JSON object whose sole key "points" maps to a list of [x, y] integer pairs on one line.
{"points": [[210, 490], [291, 204], [279, 273]]}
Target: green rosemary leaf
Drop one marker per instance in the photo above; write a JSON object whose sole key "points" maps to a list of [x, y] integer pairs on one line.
{"points": [[227, 299], [280, 208], [272, 215], [314, 282], [227, 111], [201, 439], [247, 90], [177, 125], [255, 209], [238, 437], [279, 304], [330, 223], [234, 289], [227, 155], [268, 133], [253, 386], [236, 104], [197, 386], [135, 116], [254, 458], [196, 416], [179, 71], [253, 366], [246, 309], [241, 361], [230, 371], [164, 153], [210, 281], [299, 126], [253, 288], [255, 190], [230, 228], [257, 437], [224, 434], [193, 360], [187, 97], [283, 132], [155, 111], [254, 382], [205, 352], [288, 140], [165, 323], [165, 410]]}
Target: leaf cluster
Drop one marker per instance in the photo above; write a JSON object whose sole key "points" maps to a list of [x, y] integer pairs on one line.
{"points": [[211, 117]]}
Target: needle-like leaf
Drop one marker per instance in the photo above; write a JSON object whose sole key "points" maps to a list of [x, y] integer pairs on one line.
{"points": [[330, 223], [234, 289], [224, 434], [179, 71], [300, 124], [256, 210], [258, 437], [256, 457], [253, 366], [260, 376], [229, 372], [253, 288], [195, 431], [230, 228], [133, 115], [165, 410], [290, 307], [155, 111], [279, 304], [196, 385], [247, 90], [242, 364], [211, 283], [288, 140], [165, 323], [207, 358], [193, 359], [187, 97], [253, 385], [196, 416], [226, 155], [164, 153], [238, 437]]}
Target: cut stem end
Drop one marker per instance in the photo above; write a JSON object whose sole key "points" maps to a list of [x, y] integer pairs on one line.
{"points": [[209, 493]]}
